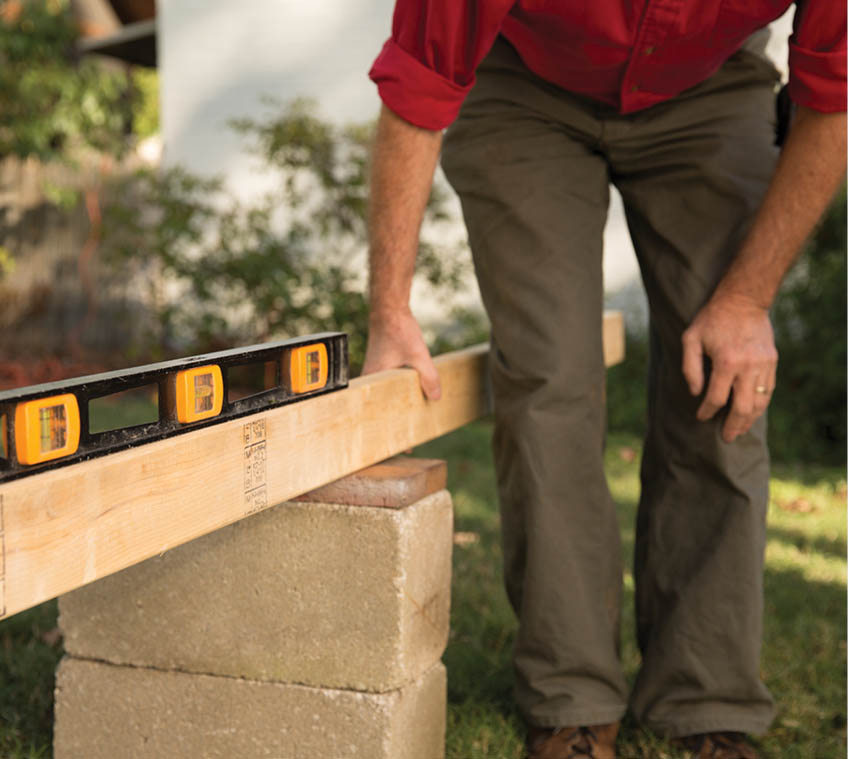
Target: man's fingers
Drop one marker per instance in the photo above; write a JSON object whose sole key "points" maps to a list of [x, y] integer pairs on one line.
{"points": [[718, 391], [751, 398], [396, 341], [742, 410], [693, 361], [431, 385], [428, 377]]}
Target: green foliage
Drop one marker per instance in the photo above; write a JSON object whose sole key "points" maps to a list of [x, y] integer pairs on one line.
{"points": [[62, 197], [627, 385], [808, 410], [7, 262], [146, 102], [51, 101], [289, 263]]}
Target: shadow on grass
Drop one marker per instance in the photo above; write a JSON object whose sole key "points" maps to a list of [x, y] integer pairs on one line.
{"points": [[810, 544], [804, 662], [804, 642], [482, 629]]}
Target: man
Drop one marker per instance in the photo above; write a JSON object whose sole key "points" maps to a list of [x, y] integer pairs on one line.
{"points": [[548, 101]]}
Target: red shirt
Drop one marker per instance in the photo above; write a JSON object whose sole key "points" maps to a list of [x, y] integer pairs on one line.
{"points": [[630, 54]]}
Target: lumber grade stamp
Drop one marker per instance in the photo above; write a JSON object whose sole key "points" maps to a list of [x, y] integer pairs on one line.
{"points": [[255, 466]]}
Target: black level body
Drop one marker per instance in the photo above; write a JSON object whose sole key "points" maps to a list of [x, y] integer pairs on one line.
{"points": [[92, 387]]}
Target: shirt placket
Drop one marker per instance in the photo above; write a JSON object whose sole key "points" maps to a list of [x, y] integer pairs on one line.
{"points": [[658, 17]]}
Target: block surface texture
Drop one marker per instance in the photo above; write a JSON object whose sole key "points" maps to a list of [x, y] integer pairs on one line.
{"points": [[393, 484], [105, 711], [321, 594]]}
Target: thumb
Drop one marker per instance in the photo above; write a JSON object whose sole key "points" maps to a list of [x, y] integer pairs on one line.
{"points": [[693, 361]]}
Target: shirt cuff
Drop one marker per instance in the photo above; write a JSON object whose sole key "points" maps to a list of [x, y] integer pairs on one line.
{"points": [[414, 92], [817, 79]]}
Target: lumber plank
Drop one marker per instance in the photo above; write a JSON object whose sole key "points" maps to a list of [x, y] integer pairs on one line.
{"points": [[70, 526], [613, 332]]}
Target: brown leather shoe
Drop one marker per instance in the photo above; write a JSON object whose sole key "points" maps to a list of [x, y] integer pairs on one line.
{"points": [[717, 746], [595, 742]]}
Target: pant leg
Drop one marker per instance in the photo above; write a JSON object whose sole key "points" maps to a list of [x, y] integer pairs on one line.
{"points": [[692, 174], [534, 193]]}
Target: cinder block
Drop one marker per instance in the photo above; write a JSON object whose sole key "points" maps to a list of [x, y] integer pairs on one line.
{"points": [[105, 711], [393, 484], [312, 593]]}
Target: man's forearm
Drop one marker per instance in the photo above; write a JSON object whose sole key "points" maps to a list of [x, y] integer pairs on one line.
{"points": [[403, 163], [402, 166], [811, 167], [733, 328]]}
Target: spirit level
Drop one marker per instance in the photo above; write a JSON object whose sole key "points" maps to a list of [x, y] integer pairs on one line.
{"points": [[200, 393], [307, 368], [45, 426], [47, 429]]}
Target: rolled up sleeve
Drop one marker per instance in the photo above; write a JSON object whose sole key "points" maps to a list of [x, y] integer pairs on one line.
{"points": [[426, 69], [817, 56], [414, 92]]}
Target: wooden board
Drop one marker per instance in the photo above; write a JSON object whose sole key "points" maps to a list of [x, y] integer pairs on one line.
{"points": [[613, 337], [70, 526]]}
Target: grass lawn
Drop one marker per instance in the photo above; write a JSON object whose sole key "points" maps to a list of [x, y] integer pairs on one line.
{"points": [[804, 661]]}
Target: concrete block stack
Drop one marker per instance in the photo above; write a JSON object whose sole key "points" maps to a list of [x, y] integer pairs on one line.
{"points": [[314, 628]]}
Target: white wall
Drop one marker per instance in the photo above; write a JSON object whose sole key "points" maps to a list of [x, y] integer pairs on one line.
{"points": [[218, 58]]}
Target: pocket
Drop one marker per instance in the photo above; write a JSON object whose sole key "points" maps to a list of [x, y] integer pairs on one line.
{"points": [[760, 67]]}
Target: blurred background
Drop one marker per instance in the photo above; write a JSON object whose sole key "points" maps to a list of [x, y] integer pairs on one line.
{"points": [[189, 175], [192, 174]]}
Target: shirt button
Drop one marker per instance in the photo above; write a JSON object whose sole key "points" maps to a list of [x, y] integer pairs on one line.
{"points": [[648, 50], [634, 88]]}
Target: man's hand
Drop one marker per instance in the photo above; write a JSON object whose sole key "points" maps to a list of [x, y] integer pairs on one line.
{"points": [[737, 336], [394, 340], [733, 329]]}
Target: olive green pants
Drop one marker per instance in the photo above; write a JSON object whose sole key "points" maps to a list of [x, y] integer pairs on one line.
{"points": [[532, 165]]}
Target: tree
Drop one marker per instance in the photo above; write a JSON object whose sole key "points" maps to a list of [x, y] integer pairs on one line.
{"points": [[290, 263], [808, 409], [52, 101]]}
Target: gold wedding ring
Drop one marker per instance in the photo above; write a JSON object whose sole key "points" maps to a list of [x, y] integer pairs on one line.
{"points": [[761, 389]]}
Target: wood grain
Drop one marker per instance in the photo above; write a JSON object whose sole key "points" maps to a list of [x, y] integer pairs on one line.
{"points": [[70, 526]]}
